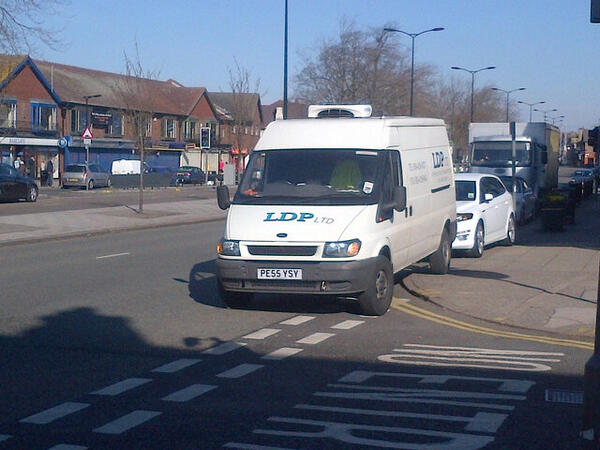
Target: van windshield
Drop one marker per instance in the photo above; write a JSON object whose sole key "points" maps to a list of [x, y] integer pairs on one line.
{"points": [[311, 176]]}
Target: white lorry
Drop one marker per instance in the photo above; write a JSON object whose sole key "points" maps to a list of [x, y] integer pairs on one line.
{"points": [[537, 147], [335, 206]]}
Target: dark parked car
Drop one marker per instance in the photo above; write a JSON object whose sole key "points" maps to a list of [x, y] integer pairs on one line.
{"points": [[586, 178], [14, 186], [187, 175]]}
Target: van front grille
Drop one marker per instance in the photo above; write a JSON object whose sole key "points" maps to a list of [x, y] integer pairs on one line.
{"points": [[282, 250]]}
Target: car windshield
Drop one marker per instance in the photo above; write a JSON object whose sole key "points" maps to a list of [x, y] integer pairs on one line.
{"points": [[311, 176], [465, 191], [75, 168], [499, 154]]}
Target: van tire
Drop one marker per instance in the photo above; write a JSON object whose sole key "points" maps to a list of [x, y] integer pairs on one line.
{"points": [[477, 250], [439, 261], [376, 300], [235, 300]]}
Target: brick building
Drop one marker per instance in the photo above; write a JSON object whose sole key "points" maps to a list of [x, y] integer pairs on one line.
{"points": [[44, 108]]}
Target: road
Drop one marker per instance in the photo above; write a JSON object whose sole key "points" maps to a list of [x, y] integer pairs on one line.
{"points": [[120, 341]]}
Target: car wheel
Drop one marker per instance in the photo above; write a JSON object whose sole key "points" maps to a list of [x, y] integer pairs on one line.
{"points": [[439, 262], [91, 185], [108, 183], [32, 194], [510, 232], [477, 250], [234, 299], [376, 300]]}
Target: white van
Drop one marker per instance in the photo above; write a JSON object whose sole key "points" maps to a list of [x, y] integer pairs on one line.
{"points": [[335, 206], [125, 167]]}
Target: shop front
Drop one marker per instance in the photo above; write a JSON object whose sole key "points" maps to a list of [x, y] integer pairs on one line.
{"points": [[31, 156]]}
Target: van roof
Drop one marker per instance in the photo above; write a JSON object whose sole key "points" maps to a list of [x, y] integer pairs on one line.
{"points": [[364, 133]]}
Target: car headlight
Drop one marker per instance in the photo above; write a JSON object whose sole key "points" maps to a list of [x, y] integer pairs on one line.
{"points": [[464, 216], [342, 249], [228, 248]]}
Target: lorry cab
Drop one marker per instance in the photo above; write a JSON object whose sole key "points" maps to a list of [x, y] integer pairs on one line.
{"points": [[335, 204]]}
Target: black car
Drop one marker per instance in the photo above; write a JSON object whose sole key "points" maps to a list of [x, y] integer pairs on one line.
{"points": [[14, 186], [188, 175]]}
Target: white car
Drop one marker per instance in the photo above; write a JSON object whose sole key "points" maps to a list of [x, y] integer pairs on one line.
{"points": [[484, 213]]}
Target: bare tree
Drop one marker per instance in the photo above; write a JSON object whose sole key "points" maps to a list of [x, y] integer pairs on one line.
{"points": [[22, 24], [135, 89]]}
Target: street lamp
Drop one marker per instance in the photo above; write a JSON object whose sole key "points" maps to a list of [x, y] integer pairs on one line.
{"points": [[507, 95], [285, 63], [472, 72], [545, 112], [87, 124], [554, 119], [412, 63], [531, 105]]}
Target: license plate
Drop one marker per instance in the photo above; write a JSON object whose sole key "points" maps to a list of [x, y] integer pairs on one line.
{"points": [[279, 274], [73, 180]]}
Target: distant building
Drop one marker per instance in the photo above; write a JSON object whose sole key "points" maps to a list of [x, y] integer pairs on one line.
{"points": [[295, 110]]}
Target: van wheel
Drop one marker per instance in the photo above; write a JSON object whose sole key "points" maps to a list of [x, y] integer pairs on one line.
{"points": [[510, 232], [235, 299], [376, 300], [477, 250], [439, 262]]}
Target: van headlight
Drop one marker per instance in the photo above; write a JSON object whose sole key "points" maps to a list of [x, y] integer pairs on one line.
{"points": [[342, 249], [464, 216], [228, 248]]}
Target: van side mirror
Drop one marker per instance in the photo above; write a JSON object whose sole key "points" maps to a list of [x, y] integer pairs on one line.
{"points": [[400, 198], [223, 197]]}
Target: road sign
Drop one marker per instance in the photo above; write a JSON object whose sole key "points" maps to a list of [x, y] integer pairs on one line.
{"points": [[62, 142], [87, 142], [87, 134]]}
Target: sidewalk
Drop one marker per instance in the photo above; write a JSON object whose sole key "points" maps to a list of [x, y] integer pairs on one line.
{"points": [[546, 282]]}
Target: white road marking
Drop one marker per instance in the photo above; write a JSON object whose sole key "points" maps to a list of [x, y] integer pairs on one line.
{"points": [[114, 255], [315, 338], [240, 371], [127, 422], [347, 324], [297, 320], [481, 422], [122, 386], [189, 393], [67, 447], [253, 446], [176, 366], [262, 334], [4, 437], [282, 353], [57, 412], [223, 348], [347, 433]]}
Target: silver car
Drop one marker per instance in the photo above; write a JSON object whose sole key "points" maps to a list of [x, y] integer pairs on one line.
{"points": [[76, 176], [526, 199]]}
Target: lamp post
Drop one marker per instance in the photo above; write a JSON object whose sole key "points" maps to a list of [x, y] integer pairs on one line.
{"points": [[531, 105], [554, 119], [545, 112], [507, 95], [472, 72], [412, 63], [87, 124], [285, 63]]}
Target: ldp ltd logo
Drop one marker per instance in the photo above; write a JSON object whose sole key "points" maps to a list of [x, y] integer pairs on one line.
{"points": [[297, 217]]}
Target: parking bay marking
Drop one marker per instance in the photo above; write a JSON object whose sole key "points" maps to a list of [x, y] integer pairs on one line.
{"points": [[282, 353], [223, 348], [114, 255], [240, 371], [127, 422], [57, 412], [296, 320], [122, 386], [67, 447], [189, 393], [177, 365], [347, 324], [315, 338], [262, 334]]}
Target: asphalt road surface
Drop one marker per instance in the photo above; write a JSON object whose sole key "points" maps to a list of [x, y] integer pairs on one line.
{"points": [[120, 341]]}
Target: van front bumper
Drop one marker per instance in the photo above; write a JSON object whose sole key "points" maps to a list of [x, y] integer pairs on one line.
{"points": [[323, 277]]}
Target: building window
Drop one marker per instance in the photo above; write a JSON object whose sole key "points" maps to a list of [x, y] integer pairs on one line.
{"points": [[43, 118], [148, 129], [189, 129], [115, 126], [78, 120], [8, 114], [169, 128]]}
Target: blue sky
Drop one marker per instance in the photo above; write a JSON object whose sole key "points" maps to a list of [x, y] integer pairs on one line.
{"points": [[546, 46]]}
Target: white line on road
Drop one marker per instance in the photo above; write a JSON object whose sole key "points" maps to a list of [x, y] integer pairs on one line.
{"points": [[226, 347], [240, 371], [57, 412], [315, 338], [347, 324], [297, 320], [177, 365], [122, 386], [114, 255], [189, 393], [282, 353], [127, 422], [253, 446], [262, 334], [67, 447]]}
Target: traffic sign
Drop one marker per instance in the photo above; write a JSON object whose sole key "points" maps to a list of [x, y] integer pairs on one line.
{"points": [[87, 134], [87, 142]]}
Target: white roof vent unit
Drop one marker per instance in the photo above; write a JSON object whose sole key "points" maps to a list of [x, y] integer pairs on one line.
{"points": [[330, 111]]}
